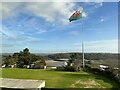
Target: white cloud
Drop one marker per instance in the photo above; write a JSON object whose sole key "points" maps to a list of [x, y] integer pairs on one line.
{"points": [[38, 0], [6, 32], [13, 36], [8, 9], [25, 39], [41, 31], [0, 10], [7, 45], [98, 4], [92, 7], [84, 14], [102, 20], [99, 1], [101, 4], [74, 33], [50, 11], [85, 0], [99, 46]]}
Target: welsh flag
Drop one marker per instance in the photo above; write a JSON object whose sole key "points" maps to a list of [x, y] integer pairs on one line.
{"points": [[77, 15]]}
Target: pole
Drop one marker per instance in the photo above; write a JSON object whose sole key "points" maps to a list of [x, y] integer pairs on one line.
{"points": [[83, 45]]}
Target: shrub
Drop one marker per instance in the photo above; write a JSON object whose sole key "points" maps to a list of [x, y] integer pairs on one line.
{"points": [[66, 68], [109, 73], [86, 68], [60, 69], [69, 68]]}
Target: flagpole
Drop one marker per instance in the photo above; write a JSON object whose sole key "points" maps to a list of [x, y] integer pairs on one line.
{"points": [[83, 45], [75, 16]]}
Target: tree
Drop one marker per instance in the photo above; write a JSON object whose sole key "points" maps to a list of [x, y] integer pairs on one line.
{"points": [[75, 61], [26, 51], [37, 61], [9, 61], [73, 58], [16, 56], [25, 58]]}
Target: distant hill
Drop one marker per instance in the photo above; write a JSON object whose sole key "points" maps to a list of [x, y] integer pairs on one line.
{"points": [[7, 54], [88, 56], [42, 54]]}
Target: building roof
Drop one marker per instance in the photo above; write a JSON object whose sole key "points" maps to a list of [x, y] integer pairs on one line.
{"points": [[62, 59], [55, 63], [21, 83]]}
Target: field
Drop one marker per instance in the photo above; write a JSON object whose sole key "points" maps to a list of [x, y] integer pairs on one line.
{"points": [[61, 79]]}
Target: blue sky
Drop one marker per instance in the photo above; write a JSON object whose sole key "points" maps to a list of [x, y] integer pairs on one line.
{"points": [[43, 27]]}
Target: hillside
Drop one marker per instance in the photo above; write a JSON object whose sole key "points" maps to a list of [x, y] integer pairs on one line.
{"points": [[88, 56]]}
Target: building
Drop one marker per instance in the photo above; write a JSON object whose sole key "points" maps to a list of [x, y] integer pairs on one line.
{"points": [[51, 64], [21, 84], [103, 67]]}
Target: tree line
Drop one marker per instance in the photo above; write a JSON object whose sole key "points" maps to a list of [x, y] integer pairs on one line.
{"points": [[88, 56], [24, 59]]}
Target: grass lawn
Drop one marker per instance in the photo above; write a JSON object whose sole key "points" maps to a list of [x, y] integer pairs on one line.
{"points": [[61, 79]]}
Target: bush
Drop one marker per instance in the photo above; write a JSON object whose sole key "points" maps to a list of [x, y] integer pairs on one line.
{"points": [[86, 68], [66, 68], [69, 68], [60, 69], [109, 73]]}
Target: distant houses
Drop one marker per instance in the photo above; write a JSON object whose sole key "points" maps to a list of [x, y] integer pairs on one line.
{"points": [[10, 66], [3, 66], [50, 64]]}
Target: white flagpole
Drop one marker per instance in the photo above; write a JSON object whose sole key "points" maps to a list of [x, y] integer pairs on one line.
{"points": [[83, 45]]}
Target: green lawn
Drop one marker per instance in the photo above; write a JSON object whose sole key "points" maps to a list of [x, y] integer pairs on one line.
{"points": [[61, 79]]}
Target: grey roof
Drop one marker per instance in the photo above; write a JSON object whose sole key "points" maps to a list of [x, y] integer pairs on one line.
{"points": [[63, 59], [21, 83], [55, 63]]}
